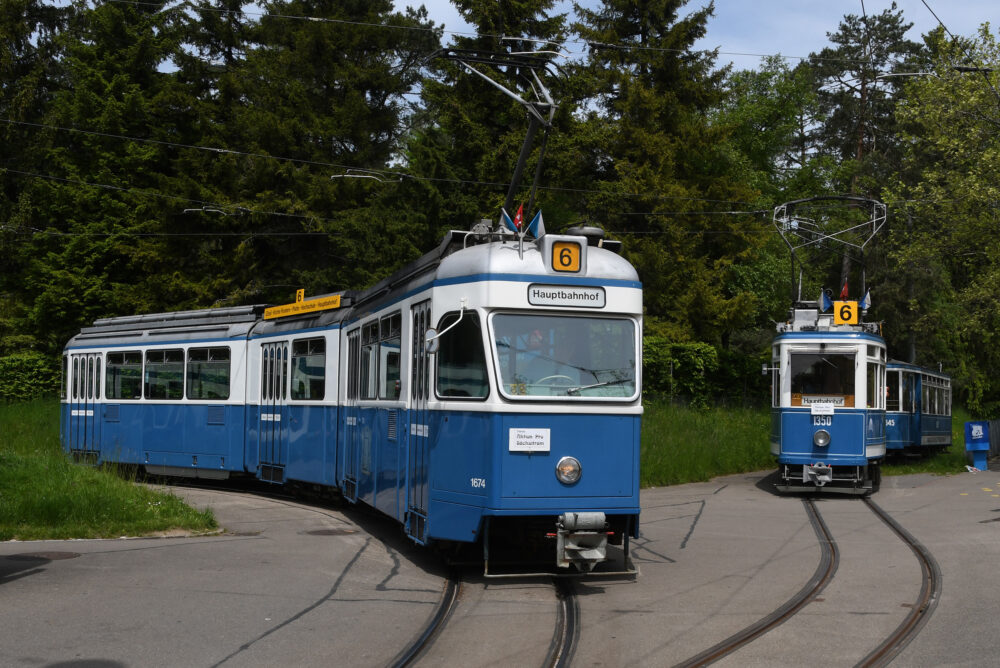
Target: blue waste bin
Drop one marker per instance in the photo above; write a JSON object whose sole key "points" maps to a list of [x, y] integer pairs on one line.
{"points": [[977, 443]]}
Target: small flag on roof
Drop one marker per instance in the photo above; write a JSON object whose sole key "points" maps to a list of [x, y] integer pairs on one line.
{"points": [[843, 291], [536, 227], [519, 217], [508, 223], [866, 301], [824, 301]]}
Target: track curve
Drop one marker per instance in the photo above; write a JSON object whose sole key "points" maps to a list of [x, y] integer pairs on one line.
{"points": [[825, 570], [927, 599], [449, 599]]}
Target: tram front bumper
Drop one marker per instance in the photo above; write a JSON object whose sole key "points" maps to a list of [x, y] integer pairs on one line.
{"points": [[581, 540], [818, 474]]}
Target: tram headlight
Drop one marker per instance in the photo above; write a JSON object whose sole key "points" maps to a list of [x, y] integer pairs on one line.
{"points": [[821, 438], [568, 470]]}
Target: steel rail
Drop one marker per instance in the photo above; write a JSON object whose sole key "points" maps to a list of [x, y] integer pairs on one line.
{"points": [[927, 599], [449, 600], [828, 563], [567, 630]]}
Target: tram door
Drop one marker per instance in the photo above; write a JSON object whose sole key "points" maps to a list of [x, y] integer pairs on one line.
{"points": [[85, 390], [351, 431], [273, 421], [419, 441]]}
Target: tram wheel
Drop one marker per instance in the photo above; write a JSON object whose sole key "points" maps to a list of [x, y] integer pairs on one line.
{"points": [[875, 475]]}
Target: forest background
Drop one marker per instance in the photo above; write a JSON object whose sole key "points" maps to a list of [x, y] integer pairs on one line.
{"points": [[166, 156]]}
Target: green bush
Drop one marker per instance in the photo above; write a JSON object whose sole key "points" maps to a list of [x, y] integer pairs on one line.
{"points": [[700, 374], [28, 375]]}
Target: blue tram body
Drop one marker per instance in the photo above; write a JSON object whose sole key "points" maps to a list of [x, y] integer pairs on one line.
{"points": [[918, 408], [828, 404], [490, 391]]}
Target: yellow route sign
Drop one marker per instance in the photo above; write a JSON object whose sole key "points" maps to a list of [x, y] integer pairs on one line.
{"points": [[566, 256], [301, 307], [845, 313]]}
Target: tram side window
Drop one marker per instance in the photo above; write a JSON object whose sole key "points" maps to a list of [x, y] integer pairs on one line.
{"points": [[892, 390], [907, 393], [164, 374], [63, 384], [208, 373], [875, 388], [309, 369], [461, 359], [123, 375], [369, 361], [825, 377], [352, 364], [389, 357]]}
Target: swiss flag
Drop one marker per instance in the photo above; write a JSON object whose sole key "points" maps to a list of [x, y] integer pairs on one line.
{"points": [[843, 290], [519, 217]]}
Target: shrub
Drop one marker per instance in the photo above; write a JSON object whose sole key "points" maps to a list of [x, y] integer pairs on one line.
{"points": [[28, 375]]}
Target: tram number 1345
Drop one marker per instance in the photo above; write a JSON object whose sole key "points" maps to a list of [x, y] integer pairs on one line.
{"points": [[822, 420]]}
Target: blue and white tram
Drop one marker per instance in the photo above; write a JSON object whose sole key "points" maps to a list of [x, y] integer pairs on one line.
{"points": [[488, 392], [917, 409], [828, 404]]}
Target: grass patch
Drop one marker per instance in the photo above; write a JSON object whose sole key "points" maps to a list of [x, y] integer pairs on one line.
{"points": [[689, 445], [682, 445], [45, 495]]}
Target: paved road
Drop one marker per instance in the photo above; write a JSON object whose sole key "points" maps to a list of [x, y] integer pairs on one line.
{"points": [[300, 585]]}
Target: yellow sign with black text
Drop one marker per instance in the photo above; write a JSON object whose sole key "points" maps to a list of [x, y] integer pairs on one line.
{"points": [[566, 256], [845, 313], [302, 307]]}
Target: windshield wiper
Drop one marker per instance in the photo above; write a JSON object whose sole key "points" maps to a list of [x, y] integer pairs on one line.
{"points": [[616, 381]]}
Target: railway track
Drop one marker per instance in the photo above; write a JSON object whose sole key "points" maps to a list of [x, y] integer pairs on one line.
{"points": [[825, 571], [923, 607], [564, 637]]}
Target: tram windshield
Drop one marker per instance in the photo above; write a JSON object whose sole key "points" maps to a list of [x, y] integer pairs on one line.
{"points": [[564, 356], [826, 378]]}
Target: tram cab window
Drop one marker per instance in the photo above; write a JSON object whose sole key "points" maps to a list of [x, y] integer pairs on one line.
{"points": [[164, 377], [822, 378], [123, 375], [541, 355], [461, 359], [208, 373], [309, 369]]}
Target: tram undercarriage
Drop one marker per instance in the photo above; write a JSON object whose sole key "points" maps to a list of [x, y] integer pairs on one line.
{"points": [[820, 477]]}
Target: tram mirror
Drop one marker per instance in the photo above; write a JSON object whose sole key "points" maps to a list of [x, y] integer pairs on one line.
{"points": [[431, 341]]}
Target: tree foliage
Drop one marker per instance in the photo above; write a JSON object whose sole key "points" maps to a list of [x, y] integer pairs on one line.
{"points": [[156, 156]]}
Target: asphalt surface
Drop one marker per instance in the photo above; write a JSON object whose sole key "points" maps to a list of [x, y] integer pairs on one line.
{"points": [[293, 584]]}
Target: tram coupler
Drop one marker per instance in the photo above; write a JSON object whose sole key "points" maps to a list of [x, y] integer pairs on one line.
{"points": [[818, 474], [581, 540]]}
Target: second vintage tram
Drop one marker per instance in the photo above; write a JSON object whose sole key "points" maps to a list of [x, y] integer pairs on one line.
{"points": [[828, 403]]}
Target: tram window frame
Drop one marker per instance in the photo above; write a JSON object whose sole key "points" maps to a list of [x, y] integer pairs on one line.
{"points": [[115, 379], [390, 358], [368, 381], [893, 389], [209, 371], [456, 351], [353, 364], [875, 380], [64, 379], [775, 377], [153, 368], [306, 386], [801, 376]]}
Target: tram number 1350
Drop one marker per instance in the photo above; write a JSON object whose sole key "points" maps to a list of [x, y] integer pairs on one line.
{"points": [[822, 420]]}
